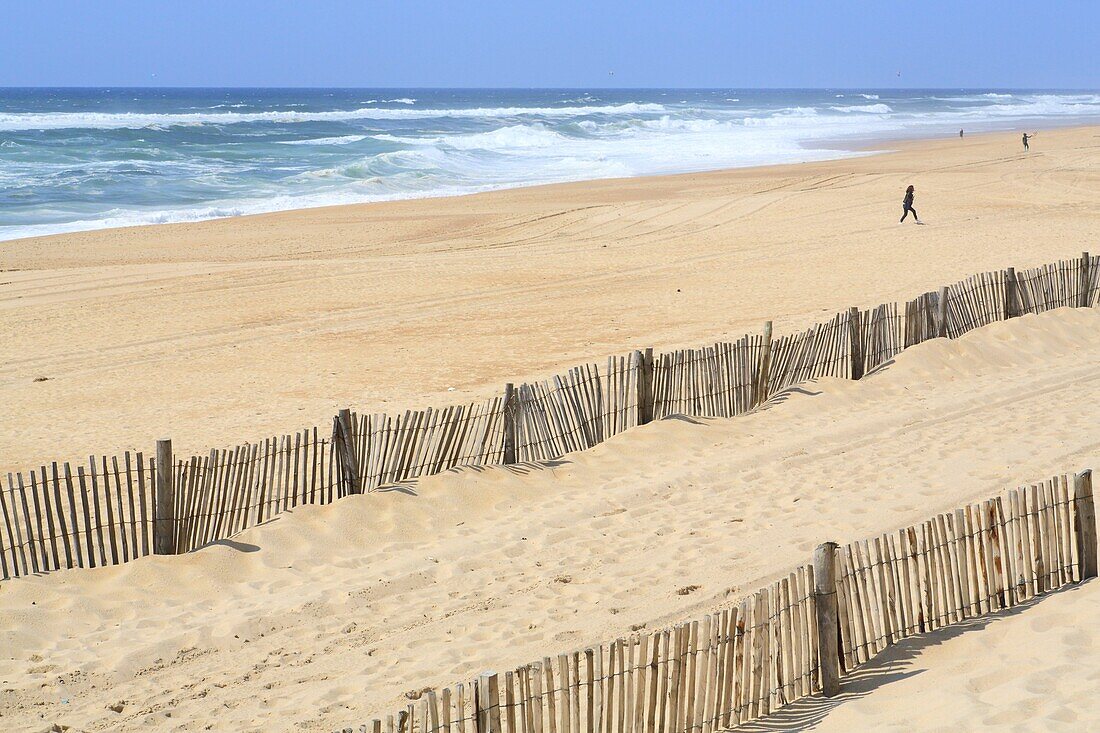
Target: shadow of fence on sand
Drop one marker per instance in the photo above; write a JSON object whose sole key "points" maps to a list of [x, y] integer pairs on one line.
{"points": [[898, 662]]}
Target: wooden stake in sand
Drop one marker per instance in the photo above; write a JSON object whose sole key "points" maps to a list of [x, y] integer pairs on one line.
{"points": [[1010, 293], [644, 362], [827, 627], [349, 460], [855, 342], [164, 526], [510, 411], [1086, 523], [1083, 280], [761, 391], [941, 313]]}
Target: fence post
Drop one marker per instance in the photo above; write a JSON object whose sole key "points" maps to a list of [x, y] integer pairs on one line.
{"points": [[644, 360], [488, 704], [828, 629], [349, 461], [855, 342], [1084, 281], [1010, 293], [760, 393], [1085, 523], [164, 500], [941, 313], [509, 424]]}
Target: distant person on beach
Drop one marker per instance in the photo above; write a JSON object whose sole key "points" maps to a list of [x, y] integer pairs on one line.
{"points": [[960, 133], [1026, 138], [907, 206]]}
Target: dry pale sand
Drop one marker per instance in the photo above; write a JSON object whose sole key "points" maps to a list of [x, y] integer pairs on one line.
{"points": [[328, 615], [1034, 668], [227, 331]]}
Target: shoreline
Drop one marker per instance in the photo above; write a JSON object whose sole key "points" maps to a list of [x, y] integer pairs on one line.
{"points": [[224, 331], [845, 147]]}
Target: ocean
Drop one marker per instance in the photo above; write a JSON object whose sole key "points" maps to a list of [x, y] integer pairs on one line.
{"points": [[78, 159]]}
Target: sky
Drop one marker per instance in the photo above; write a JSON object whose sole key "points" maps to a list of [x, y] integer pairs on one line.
{"points": [[551, 43]]}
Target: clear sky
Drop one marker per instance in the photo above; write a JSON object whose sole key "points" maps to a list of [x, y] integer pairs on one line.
{"points": [[551, 43]]}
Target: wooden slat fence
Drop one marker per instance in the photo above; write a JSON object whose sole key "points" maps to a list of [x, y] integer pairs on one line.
{"points": [[976, 560], [751, 659], [391, 449], [975, 302], [714, 381], [53, 515], [922, 319], [228, 491], [882, 335], [88, 517], [822, 351], [577, 410]]}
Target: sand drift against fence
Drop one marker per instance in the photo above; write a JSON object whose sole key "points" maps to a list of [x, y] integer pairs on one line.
{"points": [[116, 511]]}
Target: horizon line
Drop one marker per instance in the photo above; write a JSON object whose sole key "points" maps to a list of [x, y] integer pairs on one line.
{"points": [[559, 88]]}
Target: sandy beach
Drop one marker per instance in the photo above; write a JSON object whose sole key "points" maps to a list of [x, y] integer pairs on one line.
{"points": [[225, 331], [529, 368], [328, 615]]}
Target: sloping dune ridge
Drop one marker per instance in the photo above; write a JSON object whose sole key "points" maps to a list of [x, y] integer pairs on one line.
{"points": [[328, 615]]}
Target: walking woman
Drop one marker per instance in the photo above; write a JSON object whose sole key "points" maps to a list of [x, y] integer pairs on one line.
{"points": [[907, 206]]}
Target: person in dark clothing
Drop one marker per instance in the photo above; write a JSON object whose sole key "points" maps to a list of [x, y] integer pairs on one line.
{"points": [[907, 206], [960, 133], [1026, 138]]}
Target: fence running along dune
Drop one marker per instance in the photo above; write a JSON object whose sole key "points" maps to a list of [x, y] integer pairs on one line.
{"points": [[792, 638], [118, 508]]}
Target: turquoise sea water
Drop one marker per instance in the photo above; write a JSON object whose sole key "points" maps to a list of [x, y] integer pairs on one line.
{"points": [[75, 159]]}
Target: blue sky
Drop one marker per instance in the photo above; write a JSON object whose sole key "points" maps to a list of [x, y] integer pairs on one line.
{"points": [[555, 43]]}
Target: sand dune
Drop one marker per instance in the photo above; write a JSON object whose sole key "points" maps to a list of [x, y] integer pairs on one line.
{"points": [[225, 331], [328, 615]]}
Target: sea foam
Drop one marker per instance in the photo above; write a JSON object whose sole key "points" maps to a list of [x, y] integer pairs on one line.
{"points": [[67, 167], [137, 120]]}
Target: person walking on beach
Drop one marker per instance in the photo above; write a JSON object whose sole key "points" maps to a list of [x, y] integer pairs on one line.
{"points": [[960, 133], [907, 206], [1026, 138]]}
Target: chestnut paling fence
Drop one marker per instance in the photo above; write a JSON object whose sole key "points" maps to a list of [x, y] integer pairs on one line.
{"points": [[793, 638], [117, 508]]}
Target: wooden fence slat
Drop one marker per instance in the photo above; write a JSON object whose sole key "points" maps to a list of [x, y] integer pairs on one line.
{"points": [[96, 514], [10, 526], [43, 508], [112, 540], [59, 508]]}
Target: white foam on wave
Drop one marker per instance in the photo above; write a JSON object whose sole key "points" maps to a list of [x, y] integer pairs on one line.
{"points": [[116, 218], [338, 140], [502, 147], [137, 120], [878, 109], [780, 117], [509, 137], [869, 96], [1039, 105]]}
